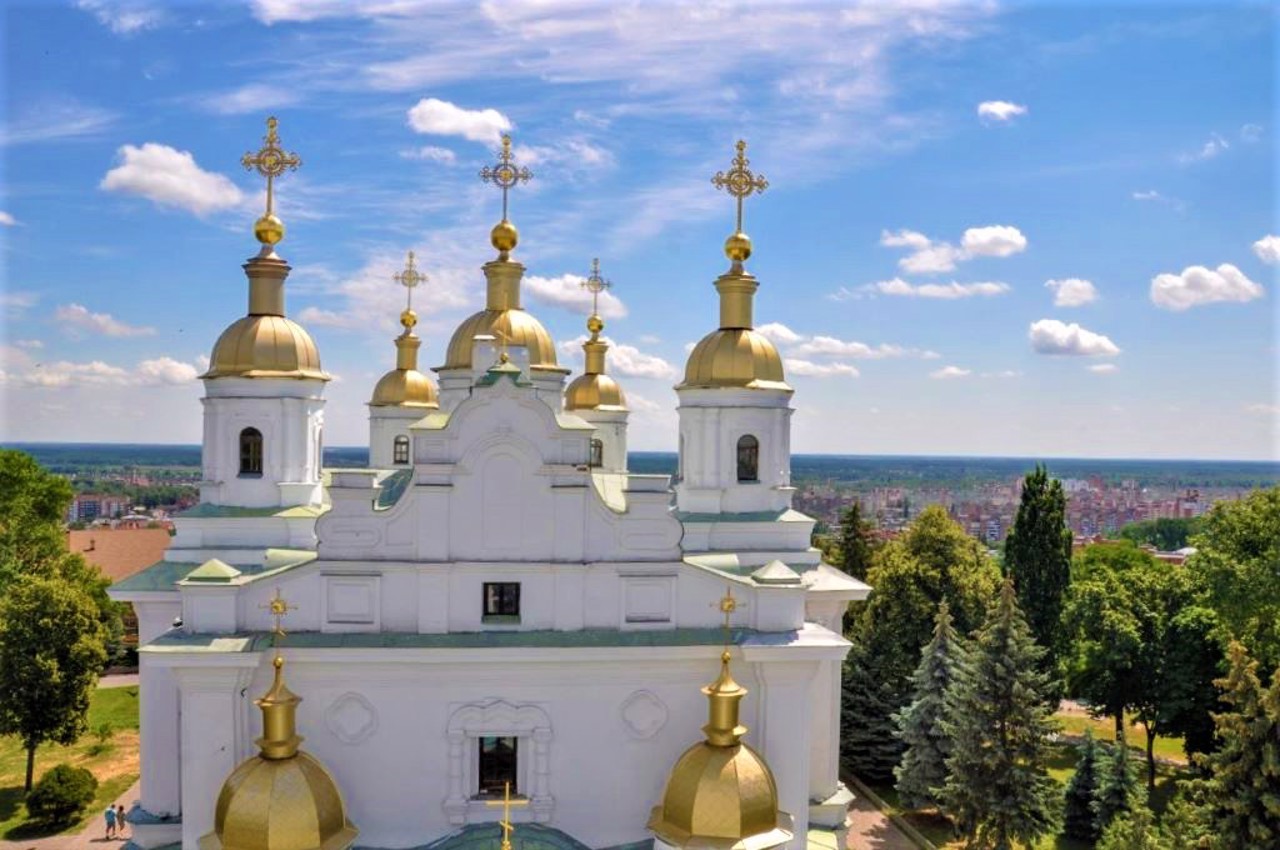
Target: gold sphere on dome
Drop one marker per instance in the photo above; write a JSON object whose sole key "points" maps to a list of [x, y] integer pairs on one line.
{"points": [[595, 324], [408, 318], [268, 230], [504, 236], [738, 247]]}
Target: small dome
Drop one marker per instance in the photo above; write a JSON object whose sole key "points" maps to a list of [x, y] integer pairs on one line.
{"points": [[404, 388], [594, 392], [721, 797], [280, 804], [735, 357], [265, 346], [519, 329]]}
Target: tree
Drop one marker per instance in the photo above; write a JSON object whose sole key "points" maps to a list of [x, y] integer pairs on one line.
{"points": [[867, 704], [1135, 829], [923, 769], [61, 794], [1168, 534], [1077, 813], [1236, 555], [1117, 787], [51, 650], [856, 542], [998, 787], [1037, 556], [1242, 796]]}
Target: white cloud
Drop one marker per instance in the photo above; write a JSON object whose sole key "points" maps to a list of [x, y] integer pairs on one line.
{"points": [[1209, 150], [779, 333], [77, 316], [165, 370], [1149, 195], [1072, 292], [7, 219], [1251, 132], [1152, 196], [442, 118], [1004, 373], [432, 153], [160, 371], [53, 119], [170, 177], [827, 346], [625, 360], [1000, 110], [123, 18], [1050, 336], [1263, 409], [29, 344], [1268, 249], [997, 240], [1104, 368], [251, 98], [948, 372], [1197, 285], [944, 291], [809, 369], [16, 301], [928, 256], [566, 291]]}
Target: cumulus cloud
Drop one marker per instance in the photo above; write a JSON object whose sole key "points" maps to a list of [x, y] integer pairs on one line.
{"points": [[576, 152], [1152, 196], [170, 177], [1268, 249], [1251, 132], [948, 372], [625, 360], [809, 369], [7, 219], [17, 301], [997, 240], [1072, 292], [944, 291], [250, 98], [436, 117], [828, 346], [1104, 368], [1050, 336], [566, 291], [123, 18], [165, 370], [1197, 285], [779, 333], [928, 256], [1209, 150], [1000, 110], [79, 317], [431, 153], [160, 371]]}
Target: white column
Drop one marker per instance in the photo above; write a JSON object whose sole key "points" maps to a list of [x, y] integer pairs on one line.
{"points": [[782, 735], [824, 747], [158, 738]]}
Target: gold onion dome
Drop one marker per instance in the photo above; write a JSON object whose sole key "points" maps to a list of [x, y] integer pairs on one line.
{"points": [[282, 798], [721, 793], [594, 390], [405, 386]]}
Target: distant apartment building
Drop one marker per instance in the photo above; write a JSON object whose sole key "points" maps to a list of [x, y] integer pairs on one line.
{"points": [[86, 507]]}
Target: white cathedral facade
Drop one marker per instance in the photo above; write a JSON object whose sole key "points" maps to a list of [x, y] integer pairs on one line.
{"points": [[497, 604]]}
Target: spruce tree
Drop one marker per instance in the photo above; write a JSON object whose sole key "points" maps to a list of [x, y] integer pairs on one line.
{"points": [[868, 700], [923, 769], [856, 543], [1037, 555], [1135, 829], [998, 787], [1117, 787], [1243, 794], [1077, 813]]}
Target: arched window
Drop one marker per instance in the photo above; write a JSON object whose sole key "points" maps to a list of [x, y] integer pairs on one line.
{"points": [[400, 450], [250, 452], [597, 453], [748, 458]]}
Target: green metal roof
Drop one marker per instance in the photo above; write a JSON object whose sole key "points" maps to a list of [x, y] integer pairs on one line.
{"points": [[788, 515], [393, 487], [163, 575], [203, 510]]}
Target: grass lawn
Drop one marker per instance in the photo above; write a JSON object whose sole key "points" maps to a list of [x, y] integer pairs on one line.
{"points": [[115, 765]]}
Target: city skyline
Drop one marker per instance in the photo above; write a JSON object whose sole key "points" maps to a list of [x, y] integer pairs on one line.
{"points": [[991, 230]]}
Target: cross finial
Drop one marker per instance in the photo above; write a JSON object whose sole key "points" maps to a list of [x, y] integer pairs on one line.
{"points": [[271, 161], [409, 278], [727, 605], [740, 181], [279, 609], [595, 284], [506, 802], [505, 173], [503, 339]]}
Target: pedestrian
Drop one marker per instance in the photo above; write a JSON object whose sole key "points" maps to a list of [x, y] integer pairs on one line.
{"points": [[110, 815], [120, 820]]}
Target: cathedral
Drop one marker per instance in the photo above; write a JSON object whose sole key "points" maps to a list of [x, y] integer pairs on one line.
{"points": [[495, 635]]}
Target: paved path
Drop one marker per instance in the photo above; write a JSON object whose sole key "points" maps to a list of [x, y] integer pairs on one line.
{"points": [[870, 829], [118, 680]]}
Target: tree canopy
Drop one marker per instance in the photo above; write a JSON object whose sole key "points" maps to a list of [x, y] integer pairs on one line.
{"points": [[1037, 556]]}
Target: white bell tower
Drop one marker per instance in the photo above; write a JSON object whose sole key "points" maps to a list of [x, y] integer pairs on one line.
{"points": [[595, 396]]}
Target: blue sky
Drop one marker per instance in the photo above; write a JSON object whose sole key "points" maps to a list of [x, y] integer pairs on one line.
{"points": [[933, 168]]}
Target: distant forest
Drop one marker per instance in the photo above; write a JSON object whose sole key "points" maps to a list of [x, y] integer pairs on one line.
{"points": [[844, 470]]}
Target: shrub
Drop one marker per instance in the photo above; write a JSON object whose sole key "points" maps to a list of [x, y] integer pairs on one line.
{"points": [[61, 794], [103, 734]]}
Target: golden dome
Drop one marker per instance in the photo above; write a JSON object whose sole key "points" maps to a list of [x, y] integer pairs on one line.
{"points": [[594, 392], [265, 346], [735, 357], [515, 325], [404, 388]]}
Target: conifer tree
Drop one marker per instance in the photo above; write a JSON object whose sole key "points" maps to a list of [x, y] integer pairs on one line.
{"points": [[923, 769], [998, 787], [1117, 787], [867, 703], [1037, 555], [1243, 794], [856, 543], [1077, 813], [1135, 829]]}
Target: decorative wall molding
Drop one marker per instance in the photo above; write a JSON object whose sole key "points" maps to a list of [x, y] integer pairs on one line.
{"points": [[643, 714], [499, 718], [351, 718]]}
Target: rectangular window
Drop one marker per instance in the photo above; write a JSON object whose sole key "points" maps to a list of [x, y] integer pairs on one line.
{"points": [[497, 766], [501, 601]]}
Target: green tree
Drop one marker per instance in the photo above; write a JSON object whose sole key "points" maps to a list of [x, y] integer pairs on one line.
{"points": [[1242, 796], [856, 541], [1077, 812], [1117, 787], [998, 788], [51, 650], [1168, 534], [1236, 555], [923, 769], [1135, 829], [932, 560], [1037, 555]]}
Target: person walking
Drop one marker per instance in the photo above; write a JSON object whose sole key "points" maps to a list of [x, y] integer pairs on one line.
{"points": [[120, 821], [110, 815]]}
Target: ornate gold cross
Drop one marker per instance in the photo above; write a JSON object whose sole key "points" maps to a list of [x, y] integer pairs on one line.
{"points": [[505, 173], [503, 339], [505, 823], [727, 605], [409, 278], [739, 181], [279, 609], [595, 284], [271, 161]]}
